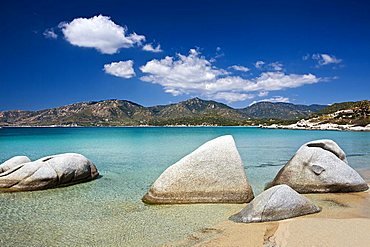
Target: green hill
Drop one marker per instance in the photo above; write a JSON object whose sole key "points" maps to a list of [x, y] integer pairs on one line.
{"points": [[193, 111]]}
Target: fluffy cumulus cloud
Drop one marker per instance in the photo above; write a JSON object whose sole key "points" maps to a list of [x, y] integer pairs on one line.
{"points": [[150, 48], [185, 75], [194, 74], [123, 69], [239, 68], [50, 34], [99, 32]]}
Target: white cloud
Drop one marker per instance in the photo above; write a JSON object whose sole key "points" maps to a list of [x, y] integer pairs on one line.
{"points": [[135, 39], [273, 100], [259, 64], [266, 81], [276, 66], [239, 68], [277, 99], [99, 32], [263, 94], [325, 59], [123, 69], [50, 34], [232, 96], [185, 72], [149, 47], [194, 74], [219, 53]]}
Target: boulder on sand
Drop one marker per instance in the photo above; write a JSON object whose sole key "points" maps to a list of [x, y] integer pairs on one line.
{"points": [[47, 172], [277, 203], [213, 173], [318, 167]]}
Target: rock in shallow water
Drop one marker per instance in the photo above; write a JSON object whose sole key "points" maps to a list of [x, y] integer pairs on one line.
{"points": [[13, 162], [47, 172], [277, 203], [213, 173], [317, 167]]}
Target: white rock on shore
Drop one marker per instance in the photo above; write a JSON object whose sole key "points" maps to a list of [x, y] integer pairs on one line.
{"points": [[307, 125], [213, 173], [277, 203]]}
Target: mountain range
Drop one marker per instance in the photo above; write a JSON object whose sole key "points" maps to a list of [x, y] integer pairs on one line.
{"points": [[193, 111]]}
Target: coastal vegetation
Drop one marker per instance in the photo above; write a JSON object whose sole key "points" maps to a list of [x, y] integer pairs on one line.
{"points": [[346, 113]]}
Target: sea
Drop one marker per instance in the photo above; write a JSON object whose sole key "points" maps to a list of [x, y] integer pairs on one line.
{"points": [[108, 211]]}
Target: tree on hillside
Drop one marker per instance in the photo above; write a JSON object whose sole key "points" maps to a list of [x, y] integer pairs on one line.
{"points": [[363, 108]]}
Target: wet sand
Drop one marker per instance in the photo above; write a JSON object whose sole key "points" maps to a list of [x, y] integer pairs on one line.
{"points": [[343, 221]]}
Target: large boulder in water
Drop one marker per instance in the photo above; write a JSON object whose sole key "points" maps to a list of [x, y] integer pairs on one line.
{"points": [[13, 162], [213, 173], [320, 166], [47, 172], [277, 203]]}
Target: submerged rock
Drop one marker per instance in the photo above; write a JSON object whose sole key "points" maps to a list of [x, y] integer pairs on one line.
{"points": [[213, 173], [47, 172], [277, 203], [320, 166]]}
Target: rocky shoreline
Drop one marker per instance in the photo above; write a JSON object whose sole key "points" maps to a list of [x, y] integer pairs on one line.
{"points": [[307, 125]]}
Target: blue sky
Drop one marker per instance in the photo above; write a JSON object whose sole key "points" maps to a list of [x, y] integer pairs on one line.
{"points": [[55, 53]]}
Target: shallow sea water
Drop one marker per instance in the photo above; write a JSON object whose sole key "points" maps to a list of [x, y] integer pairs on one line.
{"points": [[108, 211]]}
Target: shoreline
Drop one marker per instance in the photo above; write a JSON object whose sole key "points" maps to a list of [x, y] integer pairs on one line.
{"points": [[329, 127], [344, 128], [343, 221], [133, 126]]}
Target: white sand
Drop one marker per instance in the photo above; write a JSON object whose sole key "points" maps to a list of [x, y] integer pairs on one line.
{"points": [[344, 221]]}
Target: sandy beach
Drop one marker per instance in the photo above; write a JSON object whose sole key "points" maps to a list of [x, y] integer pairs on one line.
{"points": [[343, 221]]}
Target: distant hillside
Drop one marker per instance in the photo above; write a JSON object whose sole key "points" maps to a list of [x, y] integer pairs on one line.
{"points": [[341, 106], [194, 111], [195, 107], [115, 112], [346, 113], [280, 110]]}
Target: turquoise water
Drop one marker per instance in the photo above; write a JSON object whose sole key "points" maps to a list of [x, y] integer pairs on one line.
{"points": [[109, 211]]}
